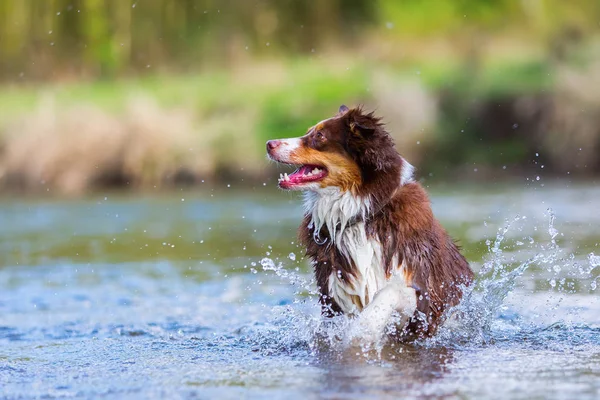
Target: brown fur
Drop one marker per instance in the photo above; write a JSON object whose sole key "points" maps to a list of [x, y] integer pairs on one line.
{"points": [[360, 156], [342, 172]]}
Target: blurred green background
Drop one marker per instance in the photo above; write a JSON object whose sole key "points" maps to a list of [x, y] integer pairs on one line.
{"points": [[154, 94]]}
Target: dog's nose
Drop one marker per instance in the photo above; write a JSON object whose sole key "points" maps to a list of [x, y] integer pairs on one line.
{"points": [[273, 144]]}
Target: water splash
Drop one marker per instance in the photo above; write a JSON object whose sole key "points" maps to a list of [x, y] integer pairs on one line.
{"points": [[475, 321], [594, 261], [292, 277], [472, 321]]}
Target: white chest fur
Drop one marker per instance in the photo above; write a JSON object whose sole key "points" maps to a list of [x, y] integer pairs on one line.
{"points": [[370, 295], [328, 207], [354, 295]]}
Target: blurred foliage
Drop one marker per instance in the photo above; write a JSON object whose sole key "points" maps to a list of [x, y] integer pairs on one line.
{"points": [[47, 38], [188, 90], [61, 39]]}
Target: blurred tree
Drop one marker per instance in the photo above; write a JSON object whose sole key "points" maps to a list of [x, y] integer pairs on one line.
{"points": [[54, 39], [105, 38]]}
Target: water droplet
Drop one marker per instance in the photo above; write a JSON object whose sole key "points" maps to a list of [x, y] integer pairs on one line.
{"points": [[557, 268], [292, 256]]}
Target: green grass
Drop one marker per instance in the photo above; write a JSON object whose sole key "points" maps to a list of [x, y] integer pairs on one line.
{"points": [[503, 79], [283, 99], [308, 89]]}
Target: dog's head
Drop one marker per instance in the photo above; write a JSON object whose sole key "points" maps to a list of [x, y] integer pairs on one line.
{"points": [[350, 151]]}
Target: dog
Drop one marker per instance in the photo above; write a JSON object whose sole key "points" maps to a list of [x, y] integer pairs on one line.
{"points": [[376, 248]]}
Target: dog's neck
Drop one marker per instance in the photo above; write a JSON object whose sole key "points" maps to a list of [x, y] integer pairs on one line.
{"points": [[336, 210]]}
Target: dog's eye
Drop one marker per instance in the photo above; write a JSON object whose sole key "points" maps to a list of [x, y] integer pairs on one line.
{"points": [[320, 135]]}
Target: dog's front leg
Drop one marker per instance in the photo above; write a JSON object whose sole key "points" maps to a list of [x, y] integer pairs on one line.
{"points": [[370, 324]]}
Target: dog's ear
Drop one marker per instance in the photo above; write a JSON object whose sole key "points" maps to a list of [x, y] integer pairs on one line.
{"points": [[360, 125], [361, 130], [368, 142], [343, 109]]}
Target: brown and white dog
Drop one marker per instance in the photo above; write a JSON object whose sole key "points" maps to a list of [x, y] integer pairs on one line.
{"points": [[368, 228]]}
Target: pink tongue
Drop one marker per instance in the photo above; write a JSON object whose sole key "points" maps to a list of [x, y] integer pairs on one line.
{"points": [[305, 169], [298, 175]]}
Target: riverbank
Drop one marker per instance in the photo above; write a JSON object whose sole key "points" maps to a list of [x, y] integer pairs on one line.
{"points": [[492, 120]]}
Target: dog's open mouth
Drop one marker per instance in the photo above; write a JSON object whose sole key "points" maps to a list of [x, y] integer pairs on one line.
{"points": [[304, 174]]}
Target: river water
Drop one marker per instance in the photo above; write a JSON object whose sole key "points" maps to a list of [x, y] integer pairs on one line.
{"points": [[206, 295]]}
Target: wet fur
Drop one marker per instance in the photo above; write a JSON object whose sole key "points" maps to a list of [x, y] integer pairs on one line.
{"points": [[368, 223]]}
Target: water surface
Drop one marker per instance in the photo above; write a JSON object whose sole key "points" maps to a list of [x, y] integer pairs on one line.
{"points": [[166, 296]]}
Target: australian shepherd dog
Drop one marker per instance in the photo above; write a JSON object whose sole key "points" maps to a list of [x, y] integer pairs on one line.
{"points": [[375, 246]]}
